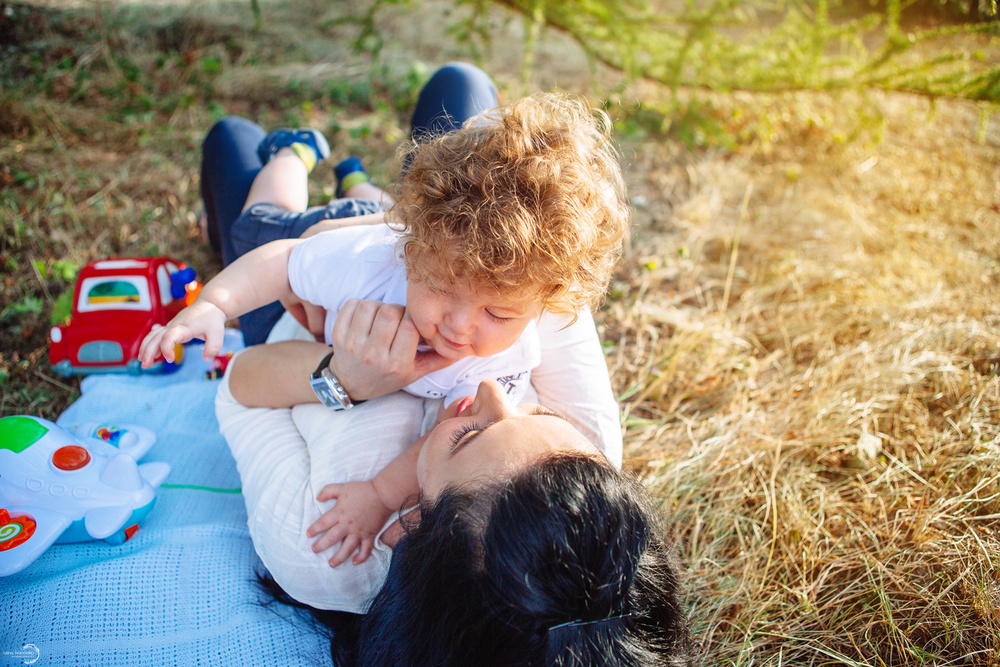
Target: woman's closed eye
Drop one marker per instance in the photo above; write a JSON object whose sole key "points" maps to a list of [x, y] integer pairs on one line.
{"points": [[460, 434], [466, 433]]}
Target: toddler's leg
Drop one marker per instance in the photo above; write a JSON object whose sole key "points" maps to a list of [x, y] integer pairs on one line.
{"points": [[283, 181], [353, 183], [234, 175], [289, 155], [249, 203], [370, 192]]}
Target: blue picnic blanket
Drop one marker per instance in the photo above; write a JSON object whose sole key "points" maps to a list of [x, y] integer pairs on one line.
{"points": [[183, 590]]}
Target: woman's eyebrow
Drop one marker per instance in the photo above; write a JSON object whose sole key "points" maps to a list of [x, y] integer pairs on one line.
{"points": [[542, 410]]}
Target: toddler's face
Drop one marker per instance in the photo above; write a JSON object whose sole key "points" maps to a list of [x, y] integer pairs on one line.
{"points": [[458, 320]]}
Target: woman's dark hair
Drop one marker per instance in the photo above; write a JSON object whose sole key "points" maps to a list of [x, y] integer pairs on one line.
{"points": [[562, 565]]}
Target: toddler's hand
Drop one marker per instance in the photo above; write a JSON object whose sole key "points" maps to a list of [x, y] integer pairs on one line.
{"points": [[354, 521], [202, 319]]}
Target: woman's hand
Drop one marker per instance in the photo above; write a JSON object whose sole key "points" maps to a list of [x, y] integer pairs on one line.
{"points": [[202, 319], [354, 521], [375, 349]]}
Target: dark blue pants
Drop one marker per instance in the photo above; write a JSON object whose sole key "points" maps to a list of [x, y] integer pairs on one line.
{"points": [[455, 93]]}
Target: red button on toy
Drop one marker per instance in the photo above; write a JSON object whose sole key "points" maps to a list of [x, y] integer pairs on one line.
{"points": [[70, 457]]}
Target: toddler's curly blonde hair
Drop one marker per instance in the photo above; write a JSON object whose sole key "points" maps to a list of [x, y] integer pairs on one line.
{"points": [[528, 196]]}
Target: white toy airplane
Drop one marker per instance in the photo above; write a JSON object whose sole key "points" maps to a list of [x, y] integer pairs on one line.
{"points": [[56, 486]]}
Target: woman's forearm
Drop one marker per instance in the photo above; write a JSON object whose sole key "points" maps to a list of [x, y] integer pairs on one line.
{"points": [[276, 375]]}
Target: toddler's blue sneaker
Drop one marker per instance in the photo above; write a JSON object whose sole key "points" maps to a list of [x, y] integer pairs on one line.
{"points": [[308, 144], [349, 173]]}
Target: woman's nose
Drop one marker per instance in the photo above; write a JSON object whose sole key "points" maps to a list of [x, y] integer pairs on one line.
{"points": [[490, 401]]}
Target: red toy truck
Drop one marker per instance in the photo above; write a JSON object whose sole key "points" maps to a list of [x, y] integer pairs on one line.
{"points": [[115, 304]]}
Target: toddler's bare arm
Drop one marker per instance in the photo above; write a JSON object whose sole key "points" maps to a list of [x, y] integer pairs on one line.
{"points": [[254, 280]]}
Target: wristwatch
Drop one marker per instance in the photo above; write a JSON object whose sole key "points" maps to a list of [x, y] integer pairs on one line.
{"points": [[328, 389]]}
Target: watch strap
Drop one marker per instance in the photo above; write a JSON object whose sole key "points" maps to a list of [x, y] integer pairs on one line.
{"points": [[323, 364]]}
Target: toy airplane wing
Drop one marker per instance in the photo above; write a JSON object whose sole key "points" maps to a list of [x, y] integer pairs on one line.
{"points": [[25, 532], [102, 522]]}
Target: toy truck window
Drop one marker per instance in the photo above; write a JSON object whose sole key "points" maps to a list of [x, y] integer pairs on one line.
{"points": [[113, 293], [163, 280]]}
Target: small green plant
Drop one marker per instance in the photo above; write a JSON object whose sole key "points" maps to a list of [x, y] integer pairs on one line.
{"points": [[258, 15], [29, 305], [62, 307], [369, 39], [695, 123], [216, 111]]}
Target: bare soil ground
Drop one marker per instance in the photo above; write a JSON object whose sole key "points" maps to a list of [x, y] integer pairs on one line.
{"points": [[804, 333]]}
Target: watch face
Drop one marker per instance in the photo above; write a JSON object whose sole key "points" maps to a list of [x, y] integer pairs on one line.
{"points": [[325, 393]]}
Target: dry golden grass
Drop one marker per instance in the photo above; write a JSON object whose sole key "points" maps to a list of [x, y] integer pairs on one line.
{"points": [[809, 343], [804, 334]]}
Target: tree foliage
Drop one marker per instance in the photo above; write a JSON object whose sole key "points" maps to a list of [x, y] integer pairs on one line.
{"points": [[778, 45]]}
